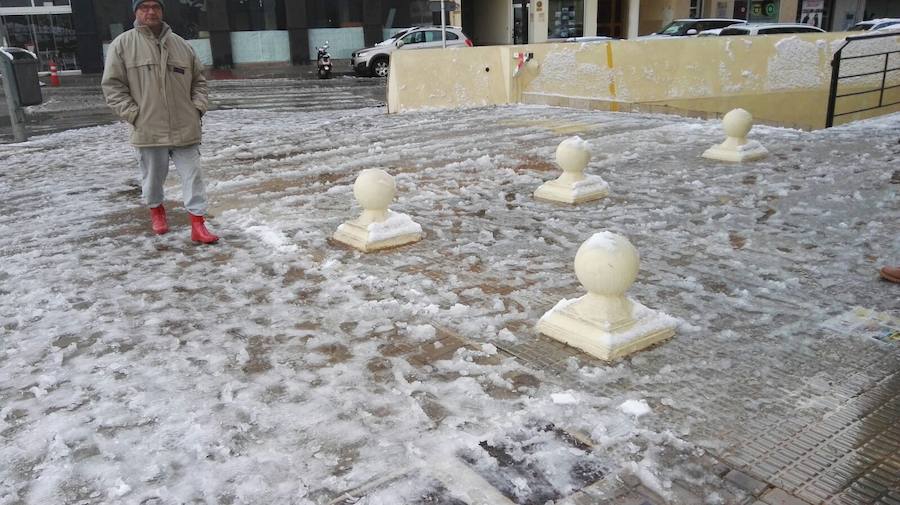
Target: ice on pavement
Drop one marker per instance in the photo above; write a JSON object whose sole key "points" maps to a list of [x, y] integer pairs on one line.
{"points": [[279, 367]]}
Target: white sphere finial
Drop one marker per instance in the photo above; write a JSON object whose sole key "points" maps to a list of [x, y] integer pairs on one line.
{"points": [[607, 264], [737, 123], [374, 189], [573, 155]]}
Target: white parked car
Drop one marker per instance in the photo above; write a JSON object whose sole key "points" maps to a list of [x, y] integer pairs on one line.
{"points": [[876, 24], [375, 61], [692, 27], [596, 38], [710, 33], [769, 29]]}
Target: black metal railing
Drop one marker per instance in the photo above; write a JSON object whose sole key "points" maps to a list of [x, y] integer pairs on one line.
{"points": [[836, 77]]}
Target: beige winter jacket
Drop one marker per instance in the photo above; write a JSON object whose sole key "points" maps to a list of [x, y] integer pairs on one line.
{"points": [[157, 85]]}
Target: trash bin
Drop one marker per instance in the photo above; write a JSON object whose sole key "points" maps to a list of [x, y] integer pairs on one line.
{"points": [[22, 66]]}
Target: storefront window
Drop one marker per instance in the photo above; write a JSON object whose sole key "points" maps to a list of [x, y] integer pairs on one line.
{"points": [[695, 9], [566, 19], [50, 36], [335, 13], [812, 12], [256, 15], [18, 33], [406, 13], [16, 3], [31, 3], [188, 18], [764, 11]]}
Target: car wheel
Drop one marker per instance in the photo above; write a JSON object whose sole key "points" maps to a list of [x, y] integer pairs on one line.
{"points": [[380, 67]]}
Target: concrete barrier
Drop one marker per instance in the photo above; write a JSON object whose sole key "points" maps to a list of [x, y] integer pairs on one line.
{"points": [[781, 80]]}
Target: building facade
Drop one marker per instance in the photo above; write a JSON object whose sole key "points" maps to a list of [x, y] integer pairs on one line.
{"points": [[75, 33], [532, 21], [225, 33]]}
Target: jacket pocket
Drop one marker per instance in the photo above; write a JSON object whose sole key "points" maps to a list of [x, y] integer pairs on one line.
{"points": [[145, 63]]}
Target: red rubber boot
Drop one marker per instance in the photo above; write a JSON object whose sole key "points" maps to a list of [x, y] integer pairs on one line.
{"points": [[199, 233], [158, 220]]}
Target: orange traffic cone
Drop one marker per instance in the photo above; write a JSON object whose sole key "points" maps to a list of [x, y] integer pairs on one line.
{"points": [[54, 76]]}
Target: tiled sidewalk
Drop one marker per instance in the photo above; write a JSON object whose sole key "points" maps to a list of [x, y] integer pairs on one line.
{"points": [[415, 375]]}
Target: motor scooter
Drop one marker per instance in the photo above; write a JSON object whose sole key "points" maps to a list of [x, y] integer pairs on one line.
{"points": [[323, 62]]}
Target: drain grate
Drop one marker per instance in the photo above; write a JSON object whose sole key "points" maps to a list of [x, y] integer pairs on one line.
{"points": [[522, 465]]}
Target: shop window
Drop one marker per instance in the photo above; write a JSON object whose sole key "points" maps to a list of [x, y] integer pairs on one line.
{"points": [[18, 33], [764, 11], [50, 36], [335, 13], [696, 9], [406, 13], [256, 15], [16, 3], [566, 19], [188, 18]]}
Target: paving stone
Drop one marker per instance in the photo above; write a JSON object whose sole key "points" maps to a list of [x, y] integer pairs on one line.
{"points": [[640, 496], [745, 482], [781, 497]]}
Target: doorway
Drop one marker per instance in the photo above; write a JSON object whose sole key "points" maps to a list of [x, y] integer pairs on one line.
{"points": [[609, 18], [520, 21], [488, 22]]}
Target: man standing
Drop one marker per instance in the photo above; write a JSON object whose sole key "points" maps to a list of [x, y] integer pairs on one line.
{"points": [[154, 80]]}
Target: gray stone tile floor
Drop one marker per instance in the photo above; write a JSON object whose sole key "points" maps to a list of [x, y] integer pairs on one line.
{"points": [[755, 400]]}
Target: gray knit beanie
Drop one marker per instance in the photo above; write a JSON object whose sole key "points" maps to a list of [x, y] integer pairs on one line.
{"points": [[135, 3]]}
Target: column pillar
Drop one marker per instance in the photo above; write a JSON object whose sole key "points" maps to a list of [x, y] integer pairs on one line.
{"points": [[219, 33], [634, 15], [297, 24], [590, 18], [373, 19], [537, 21], [90, 52]]}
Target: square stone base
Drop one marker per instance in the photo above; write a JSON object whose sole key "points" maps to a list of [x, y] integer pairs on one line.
{"points": [[564, 324], [357, 236], [750, 151], [555, 191]]}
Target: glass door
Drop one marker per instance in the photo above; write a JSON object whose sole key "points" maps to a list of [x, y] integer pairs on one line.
{"points": [[49, 36], [609, 18], [520, 22], [18, 32]]}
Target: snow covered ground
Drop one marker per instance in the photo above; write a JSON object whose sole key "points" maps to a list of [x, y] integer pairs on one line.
{"points": [[279, 367]]}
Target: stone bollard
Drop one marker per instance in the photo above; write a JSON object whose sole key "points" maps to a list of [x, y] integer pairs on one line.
{"points": [[573, 186], [378, 227], [737, 124], [605, 323]]}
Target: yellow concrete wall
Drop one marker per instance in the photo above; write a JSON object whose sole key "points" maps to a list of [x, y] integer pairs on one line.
{"points": [[456, 77], [780, 80]]}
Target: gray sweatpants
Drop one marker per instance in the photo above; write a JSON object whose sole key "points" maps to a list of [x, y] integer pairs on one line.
{"points": [[154, 165]]}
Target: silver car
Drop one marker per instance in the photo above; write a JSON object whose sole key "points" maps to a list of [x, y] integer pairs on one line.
{"points": [[769, 29], [691, 27], [876, 24], [375, 61]]}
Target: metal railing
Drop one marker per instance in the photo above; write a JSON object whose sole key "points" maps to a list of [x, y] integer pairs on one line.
{"points": [[836, 76]]}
